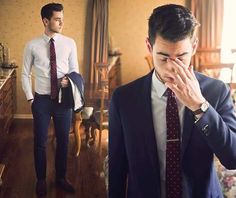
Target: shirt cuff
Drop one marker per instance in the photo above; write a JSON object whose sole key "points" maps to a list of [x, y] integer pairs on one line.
{"points": [[29, 96]]}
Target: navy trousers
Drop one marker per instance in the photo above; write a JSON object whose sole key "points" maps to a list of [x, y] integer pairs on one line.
{"points": [[43, 109]]}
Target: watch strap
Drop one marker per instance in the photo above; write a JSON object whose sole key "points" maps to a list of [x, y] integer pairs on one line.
{"points": [[198, 111]]}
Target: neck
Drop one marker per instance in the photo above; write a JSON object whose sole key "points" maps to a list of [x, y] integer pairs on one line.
{"points": [[49, 33], [158, 77]]}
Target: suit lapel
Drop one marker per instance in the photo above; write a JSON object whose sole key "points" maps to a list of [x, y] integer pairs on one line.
{"points": [[187, 130], [149, 134]]}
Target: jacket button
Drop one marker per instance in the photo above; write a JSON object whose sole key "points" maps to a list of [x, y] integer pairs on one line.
{"points": [[205, 130]]}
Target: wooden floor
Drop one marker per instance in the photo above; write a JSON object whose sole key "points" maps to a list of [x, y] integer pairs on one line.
{"points": [[85, 172]]}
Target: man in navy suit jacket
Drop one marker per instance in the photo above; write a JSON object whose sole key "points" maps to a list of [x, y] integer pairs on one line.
{"points": [[137, 123]]}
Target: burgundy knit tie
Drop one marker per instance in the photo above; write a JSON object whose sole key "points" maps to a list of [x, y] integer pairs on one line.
{"points": [[173, 168], [53, 65]]}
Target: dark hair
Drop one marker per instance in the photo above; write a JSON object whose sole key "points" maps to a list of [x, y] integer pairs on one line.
{"points": [[171, 22], [47, 10]]}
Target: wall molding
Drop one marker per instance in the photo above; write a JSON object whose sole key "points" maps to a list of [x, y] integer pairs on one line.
{"points": [[23, 116]]}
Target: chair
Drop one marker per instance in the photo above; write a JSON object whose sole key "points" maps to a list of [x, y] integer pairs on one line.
{"points": [[149, 60], [102, 69], [101, 116], [205, 56], [87, 113], [213, 69], [208, 61], [76, 130]]}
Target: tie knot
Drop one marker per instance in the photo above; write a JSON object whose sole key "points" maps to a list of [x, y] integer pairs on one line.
{"points": [[51, 40], [170, 93]]}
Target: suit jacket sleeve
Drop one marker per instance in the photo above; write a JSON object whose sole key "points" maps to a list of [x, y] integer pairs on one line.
{"points": [[117, 153], [218, 126]]}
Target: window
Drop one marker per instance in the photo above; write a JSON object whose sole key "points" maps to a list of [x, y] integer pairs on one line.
{"points": [[228, 37]]}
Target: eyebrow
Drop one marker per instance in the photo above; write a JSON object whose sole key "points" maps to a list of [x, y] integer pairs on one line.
{"points": [[165, 54]]}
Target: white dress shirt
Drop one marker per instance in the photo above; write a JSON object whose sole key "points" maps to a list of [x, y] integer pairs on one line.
{"points": [[37, 56], [159, 102]]}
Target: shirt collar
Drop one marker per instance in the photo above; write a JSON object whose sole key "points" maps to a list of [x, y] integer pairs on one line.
{"points": [[47, 38], [157, 85]]}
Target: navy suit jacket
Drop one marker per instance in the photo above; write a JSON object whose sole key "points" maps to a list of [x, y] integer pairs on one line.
{"points": [[133, 160], [67, 98]]}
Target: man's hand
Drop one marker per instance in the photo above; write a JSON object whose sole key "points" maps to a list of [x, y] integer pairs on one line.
{"points": [[64, 82], [185, 85]]}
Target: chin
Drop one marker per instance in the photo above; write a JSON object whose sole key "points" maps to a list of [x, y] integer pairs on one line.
{"points": [[57, 31]]}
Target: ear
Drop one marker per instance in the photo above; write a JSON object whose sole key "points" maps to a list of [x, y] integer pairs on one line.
{"points": [[45, 22], [195, 45], [148, 44]]}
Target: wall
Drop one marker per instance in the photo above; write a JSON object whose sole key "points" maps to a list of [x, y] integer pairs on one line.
{"points": [[128, 25], [20, 22]]}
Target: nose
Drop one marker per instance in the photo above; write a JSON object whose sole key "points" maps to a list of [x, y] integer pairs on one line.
{"points": [[170, 65]]}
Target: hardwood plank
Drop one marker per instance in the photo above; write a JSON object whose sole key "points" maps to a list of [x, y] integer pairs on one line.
{"points": [[85, 172]]}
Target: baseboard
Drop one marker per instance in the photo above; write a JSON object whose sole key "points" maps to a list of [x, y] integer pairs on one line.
{"points": [[23, 116]]}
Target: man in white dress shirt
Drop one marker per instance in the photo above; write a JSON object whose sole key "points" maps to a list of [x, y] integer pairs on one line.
{"points": [[44, 106]]}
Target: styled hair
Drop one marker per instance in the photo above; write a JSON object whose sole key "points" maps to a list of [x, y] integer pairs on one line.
{"points": [[47, 10], [171, 22]]}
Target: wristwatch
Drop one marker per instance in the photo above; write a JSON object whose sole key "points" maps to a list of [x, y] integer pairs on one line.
{"points": [[203, 108]]}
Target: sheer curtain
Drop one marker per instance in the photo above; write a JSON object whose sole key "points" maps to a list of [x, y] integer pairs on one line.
{"points": [[229, 36], [210, 15]]}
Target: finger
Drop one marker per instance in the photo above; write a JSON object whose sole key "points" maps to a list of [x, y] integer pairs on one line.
{"points": [[169, 75], [176, 79], [180, 71], [184, 67], [173, 87], [179, 82], [192, 71]]}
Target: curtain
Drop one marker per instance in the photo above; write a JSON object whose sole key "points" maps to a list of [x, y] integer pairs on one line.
{"points": [[99, 37], [210, 15]]}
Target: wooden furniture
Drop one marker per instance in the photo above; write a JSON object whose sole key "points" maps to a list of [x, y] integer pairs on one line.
{"points": [[97, 95], [7, 98], [213, 69], [149, 60], [208, 61], [205, 56], [7, 104], [2, 167], [87, 114], [101, 117], [114, 75], [103, 71], [76, 129], [232, 85]]}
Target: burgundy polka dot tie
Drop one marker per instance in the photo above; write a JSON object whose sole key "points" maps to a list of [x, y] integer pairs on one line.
{"points": [[53, 65], [173, 168]]}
